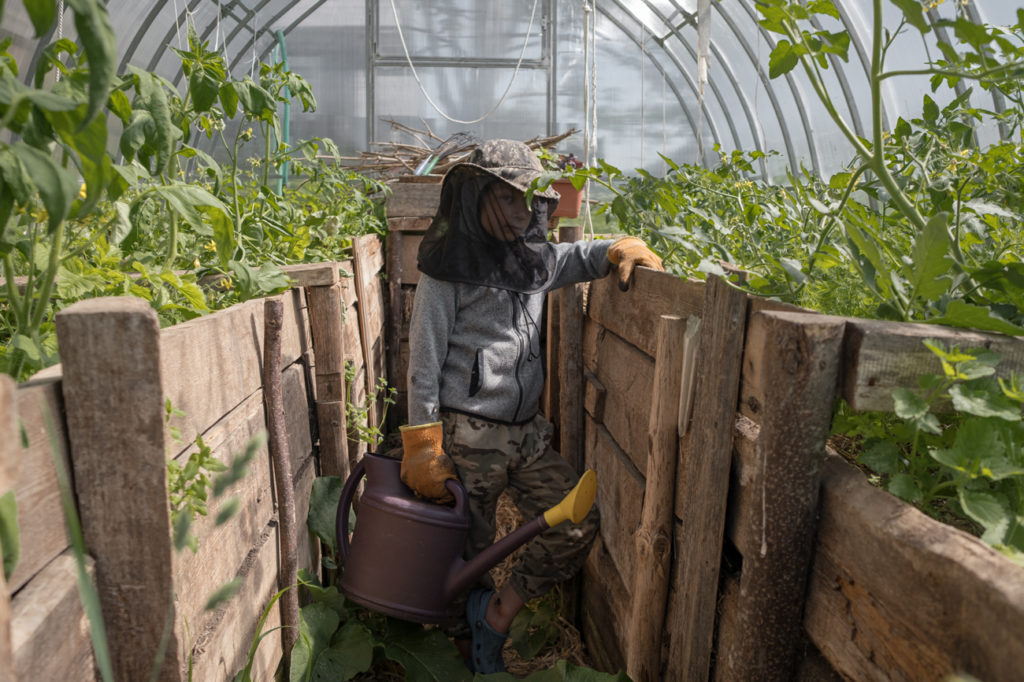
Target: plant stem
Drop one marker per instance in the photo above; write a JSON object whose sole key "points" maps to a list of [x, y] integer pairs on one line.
{"points": [[172, 246], [45, 291]]}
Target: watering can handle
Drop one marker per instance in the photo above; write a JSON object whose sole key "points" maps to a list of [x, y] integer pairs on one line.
{"points": [[344, 506]]}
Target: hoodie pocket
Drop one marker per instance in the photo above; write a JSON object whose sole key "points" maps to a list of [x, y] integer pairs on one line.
{"points": [[476, 379]]}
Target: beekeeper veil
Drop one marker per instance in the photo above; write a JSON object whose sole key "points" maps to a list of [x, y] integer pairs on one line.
{"points": [[483, 232]]}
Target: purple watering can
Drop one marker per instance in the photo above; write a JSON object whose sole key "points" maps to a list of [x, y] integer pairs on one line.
{"points": [[405, 556]]}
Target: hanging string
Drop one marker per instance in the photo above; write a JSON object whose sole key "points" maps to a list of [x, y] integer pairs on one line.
{"points": [[589, 103], [177, 25], [703, 48], [252, 65], [416, 76], [643, 61], [60, 27], [664, 127]]}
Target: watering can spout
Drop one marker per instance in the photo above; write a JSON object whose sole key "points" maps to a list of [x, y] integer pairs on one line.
{"points": [[573, 507]]}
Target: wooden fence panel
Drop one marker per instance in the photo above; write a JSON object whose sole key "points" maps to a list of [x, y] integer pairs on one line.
{"points": [[633, 315], [51, 632], [40, 515], [9, 452], [114, 402], [703, 482], [627, 376], [210, 371], [620, 490], [897, 595], [797, 358], [881, 356]]}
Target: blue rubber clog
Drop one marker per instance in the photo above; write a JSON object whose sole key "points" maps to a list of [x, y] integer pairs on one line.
{"points": [[487, 642]]}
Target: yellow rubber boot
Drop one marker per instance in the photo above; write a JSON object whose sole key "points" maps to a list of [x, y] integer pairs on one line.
{"points": [[425, 466]]}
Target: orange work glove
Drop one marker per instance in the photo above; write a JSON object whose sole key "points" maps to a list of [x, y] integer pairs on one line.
{"points": [[628, 252], [425, 466]]}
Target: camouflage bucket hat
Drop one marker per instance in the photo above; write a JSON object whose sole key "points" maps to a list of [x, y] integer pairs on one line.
{"points": [[507, 160]]}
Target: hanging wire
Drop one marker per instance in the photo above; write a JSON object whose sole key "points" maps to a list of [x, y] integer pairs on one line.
{"points": [[252, 64], [408, 59], [664, 127], [60, 27], [703, 48], [589, 103], [643, 61]]}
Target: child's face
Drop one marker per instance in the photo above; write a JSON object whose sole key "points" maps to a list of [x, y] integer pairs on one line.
{"points": [[503, 211]]}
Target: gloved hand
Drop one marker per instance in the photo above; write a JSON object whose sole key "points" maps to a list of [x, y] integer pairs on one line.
{"points": [[425, 466], [628, 252]]}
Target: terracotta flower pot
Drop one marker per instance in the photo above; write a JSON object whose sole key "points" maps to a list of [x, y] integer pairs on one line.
{"points": [[571, 198]]}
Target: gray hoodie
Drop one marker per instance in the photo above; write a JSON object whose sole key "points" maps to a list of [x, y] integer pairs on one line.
{"points": [[477, 350]]}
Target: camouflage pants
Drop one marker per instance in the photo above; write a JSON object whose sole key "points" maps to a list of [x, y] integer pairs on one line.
{"points": [[492, 458]]}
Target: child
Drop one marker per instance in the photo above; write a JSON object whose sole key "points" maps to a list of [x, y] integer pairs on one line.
{"points": [[476, 370]]}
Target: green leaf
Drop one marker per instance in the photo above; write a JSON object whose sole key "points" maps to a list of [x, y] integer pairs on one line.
{"points": [[984, 508], [224, 593], [968, 315], [882, 457], [913, 12], [42, 13], [984, 399], [928, 273], [564, 671], [317, 623], [227, 510], [57, 186], [783, 59], [904, 487], [908, 405], [426, 655], [182, 522], [92, 22], [10, 541], [323, 509]]}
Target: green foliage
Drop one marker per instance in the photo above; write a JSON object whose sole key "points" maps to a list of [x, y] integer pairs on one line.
{"points": [[339, 640], [190, 486], [968, 465], [169, 224], [10, 541], [357, 416]]}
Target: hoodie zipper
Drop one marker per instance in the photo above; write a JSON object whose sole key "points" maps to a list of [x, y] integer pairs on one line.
{"points": [[519, 356]]}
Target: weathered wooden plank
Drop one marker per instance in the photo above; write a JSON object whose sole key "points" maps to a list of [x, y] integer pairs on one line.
{"points": [[9, 455], [654, 536], [627, 375], [882, 356], [408, 224], [798, 357], [368, 262], [312, 274], [408, 255], [51, 632], [221, 549], [413, 199], [703, 481], [210, 364], [897, 595], [549, 397], [633, 314], [603, 596], [620, 490], [743, 494], [114, 402], [220, 650], [570, 363], [40, 515], [327, 322]]}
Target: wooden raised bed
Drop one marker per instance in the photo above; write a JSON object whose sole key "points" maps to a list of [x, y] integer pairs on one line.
{"points": [[100, 416]]}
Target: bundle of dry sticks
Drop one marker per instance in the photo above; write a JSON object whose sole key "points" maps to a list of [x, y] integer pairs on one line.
{"points": [[397, 158]]}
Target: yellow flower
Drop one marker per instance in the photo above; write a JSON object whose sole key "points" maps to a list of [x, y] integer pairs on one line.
{"points": [[81, 191], [210, 246]]}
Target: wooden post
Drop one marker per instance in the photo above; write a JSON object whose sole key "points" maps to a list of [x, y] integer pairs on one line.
{"points": [[797, 358], [362, 272], [327, 321], [703, 481], [570, 366], [654, 537], [273, 316], [114, 400], [10, 445], [393, 267]]}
